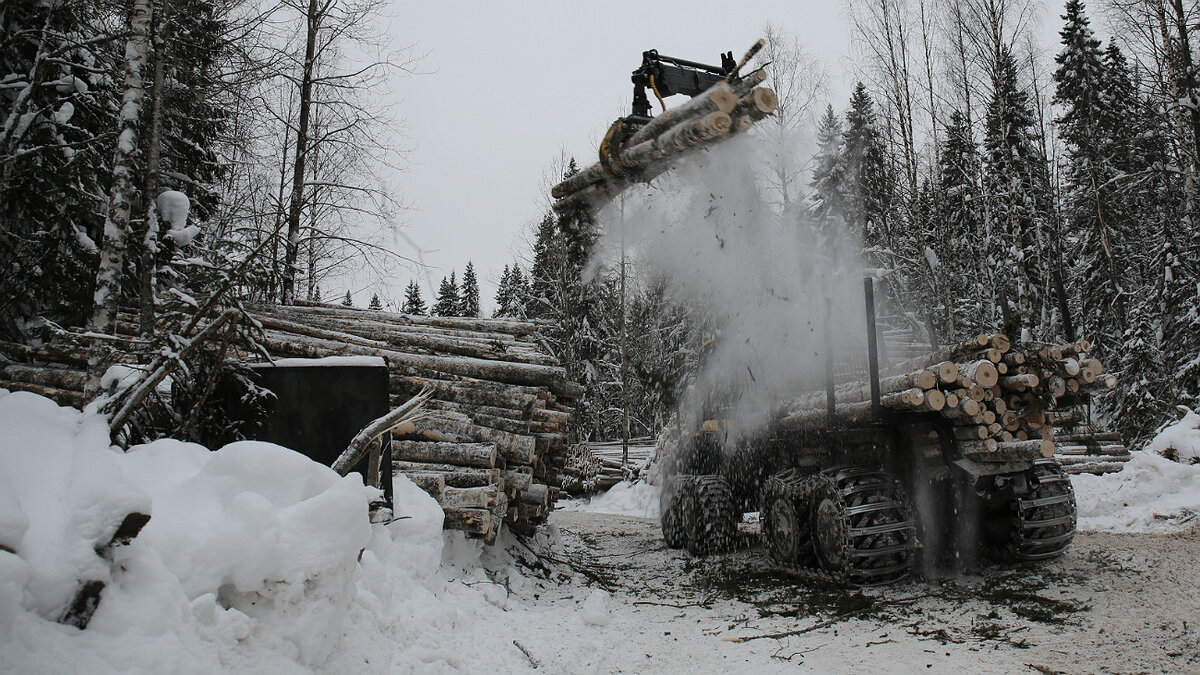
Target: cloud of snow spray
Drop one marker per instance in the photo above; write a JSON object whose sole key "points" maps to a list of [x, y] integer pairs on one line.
{"points": [[773, 285]]}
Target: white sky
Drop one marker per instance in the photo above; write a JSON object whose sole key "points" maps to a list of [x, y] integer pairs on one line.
{"points": [[511, 85]]}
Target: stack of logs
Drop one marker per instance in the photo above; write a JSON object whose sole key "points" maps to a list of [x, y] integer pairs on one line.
{"points": [[488, 440], [1084, 448], [724, 110], [489, 436], [57, 372], [1002, 400], [595, 466]]}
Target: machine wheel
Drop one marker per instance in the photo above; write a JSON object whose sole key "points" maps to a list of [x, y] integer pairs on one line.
{"points": [[863, 530], [705, 515], [1040, 524], [669, 507], [784, 514]]}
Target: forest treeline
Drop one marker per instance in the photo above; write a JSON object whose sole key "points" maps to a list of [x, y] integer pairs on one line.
{"points": [[997, 186], [994, 186], [265, 115]]}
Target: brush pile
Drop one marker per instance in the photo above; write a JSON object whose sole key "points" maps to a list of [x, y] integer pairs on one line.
{"points": [[1004, 402]]}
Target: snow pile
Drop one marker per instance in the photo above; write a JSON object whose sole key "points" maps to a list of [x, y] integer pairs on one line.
{"points": [[1151, 494], [626, 499], [1180, 441], [250, 563], [594, 610], [250, 543]]}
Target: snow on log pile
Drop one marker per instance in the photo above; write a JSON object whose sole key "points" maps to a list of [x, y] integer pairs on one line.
{"points": [[724, 110], [491, 440], [1004, 401]]}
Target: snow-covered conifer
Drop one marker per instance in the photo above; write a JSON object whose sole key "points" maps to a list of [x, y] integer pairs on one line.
{"points": [[413, 303], [468, 296]]}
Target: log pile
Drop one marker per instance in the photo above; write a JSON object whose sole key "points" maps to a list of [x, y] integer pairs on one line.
{"points": [[488, 441], [56, 372], [596, 466], [1002, 400], [1084, 448], [727, 109]]}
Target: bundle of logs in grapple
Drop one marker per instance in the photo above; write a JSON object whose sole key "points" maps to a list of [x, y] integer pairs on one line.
{"points": [[1003, 401], [631, 156]]}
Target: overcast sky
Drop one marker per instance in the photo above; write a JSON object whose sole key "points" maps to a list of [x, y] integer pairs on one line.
{"points": [[512, 85]]}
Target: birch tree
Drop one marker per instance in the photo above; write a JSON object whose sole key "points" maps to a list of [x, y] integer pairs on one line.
{"points": [[116, 224], [801, 83]]}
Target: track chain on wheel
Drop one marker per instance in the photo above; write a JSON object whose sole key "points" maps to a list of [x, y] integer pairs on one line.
{"points": [[712, 527], [784, 514], [1044, 521], [860, 528], [672, 525], [698, 512]]}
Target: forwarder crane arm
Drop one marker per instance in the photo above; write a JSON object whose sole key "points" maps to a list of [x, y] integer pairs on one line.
{"points": [[639, 147]]}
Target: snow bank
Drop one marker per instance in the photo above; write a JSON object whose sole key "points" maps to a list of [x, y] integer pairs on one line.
{"points": [[250, 563], [627, 499], [1181, 440], [1151, 494], [252, 542]]}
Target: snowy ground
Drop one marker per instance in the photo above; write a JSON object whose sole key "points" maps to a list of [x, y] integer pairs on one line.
{"points": [[257, 560], [1117, 602]]}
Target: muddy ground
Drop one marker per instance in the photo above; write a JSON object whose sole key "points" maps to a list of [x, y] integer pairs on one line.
{"points": [[1114, 603]]}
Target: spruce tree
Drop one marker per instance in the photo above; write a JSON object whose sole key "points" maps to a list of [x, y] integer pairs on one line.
{"points": [[504, 294], [57, 161], [1085, 90], [1017, 191], [413, 303], [867, 183], [447, 302], [347, 301], [584, 311], [375, 304], [963, 265], [547, 274], [468, 299], [520, 291], [828, 199], [869, 189]]}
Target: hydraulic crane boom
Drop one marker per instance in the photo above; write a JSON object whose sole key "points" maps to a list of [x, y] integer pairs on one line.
{"points": [[667, 75], [639, 147]]}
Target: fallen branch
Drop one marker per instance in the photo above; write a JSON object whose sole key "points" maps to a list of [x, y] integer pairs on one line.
{"points": [[533, 663], [817, 626], [162, 367], [359, 444]]}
